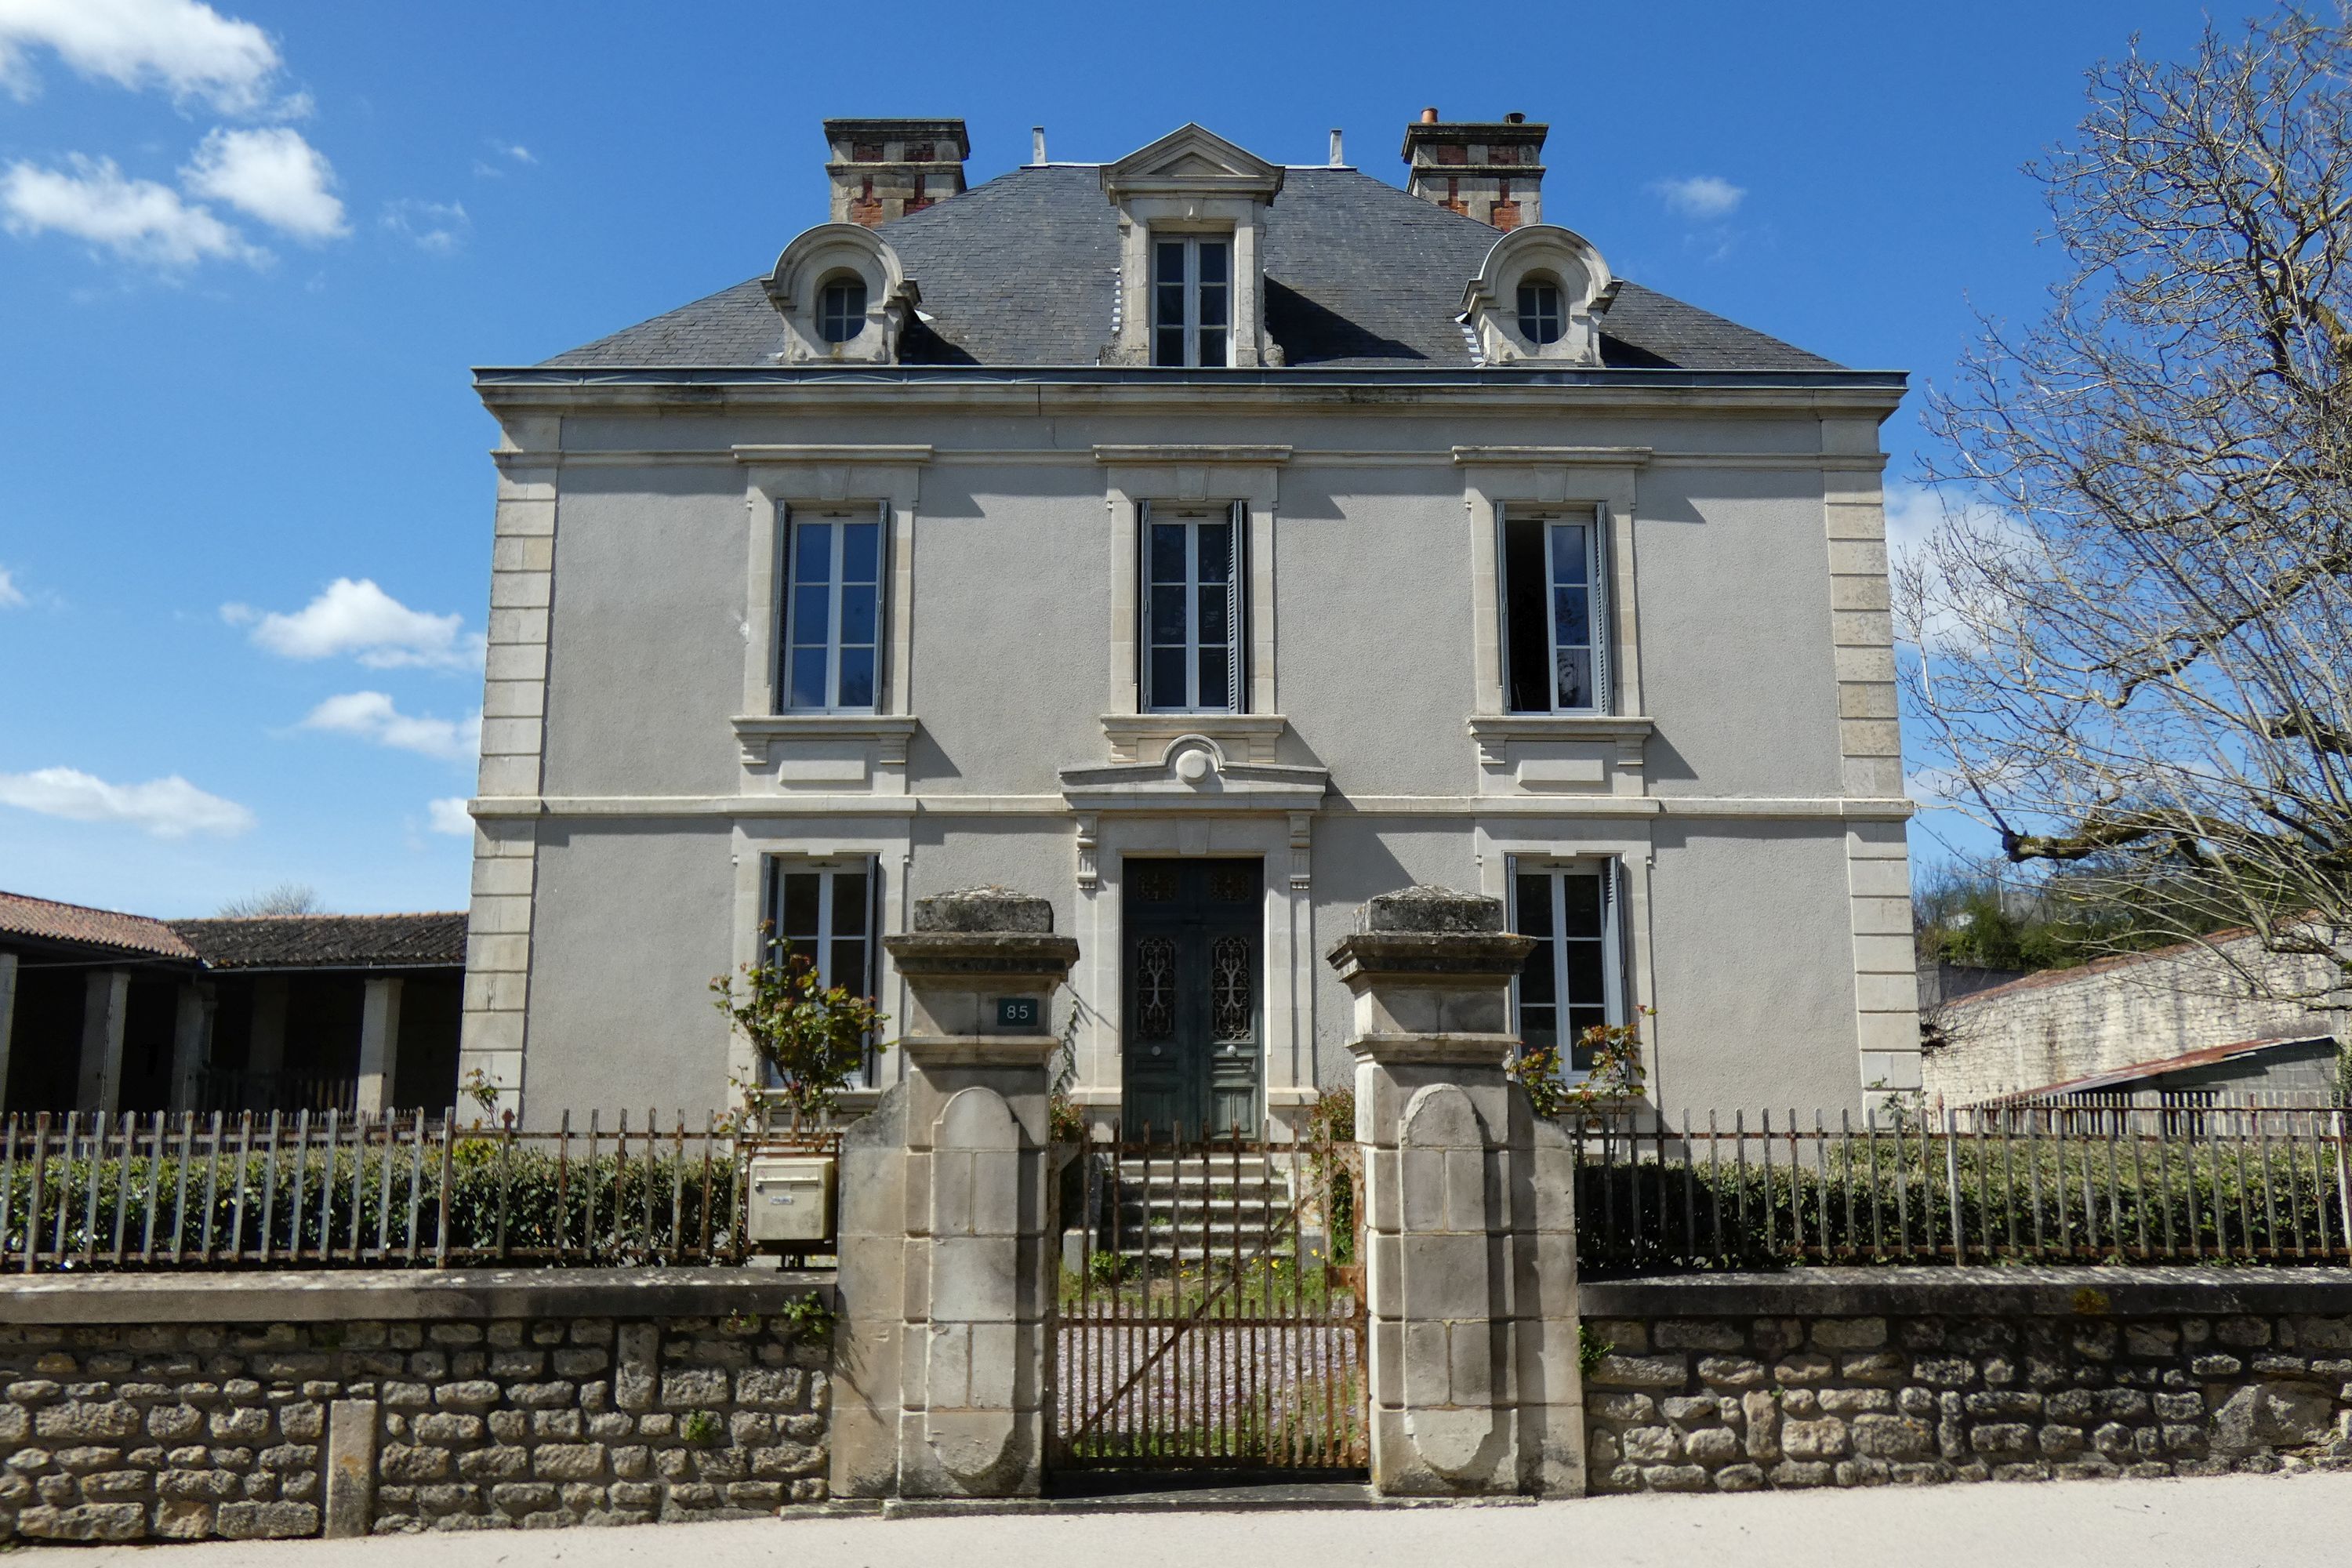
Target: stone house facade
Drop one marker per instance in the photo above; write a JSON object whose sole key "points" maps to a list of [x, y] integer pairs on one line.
{"points": [[1206, 546]]}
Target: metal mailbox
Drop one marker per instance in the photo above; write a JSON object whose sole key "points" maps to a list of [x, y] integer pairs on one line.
{"points": [[791, 1198]]}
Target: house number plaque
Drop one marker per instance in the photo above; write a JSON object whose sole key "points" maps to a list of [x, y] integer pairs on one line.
{"points": [[1017, 1012]]}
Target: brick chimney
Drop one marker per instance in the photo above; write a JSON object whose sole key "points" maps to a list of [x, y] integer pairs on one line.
{"points": [[1489, 169], [884, 168]]}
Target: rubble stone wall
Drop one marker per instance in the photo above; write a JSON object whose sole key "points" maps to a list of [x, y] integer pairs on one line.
{"points": [[458, 1408], [1703, 1386]]}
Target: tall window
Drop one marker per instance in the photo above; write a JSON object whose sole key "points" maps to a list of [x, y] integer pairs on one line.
{"points": [[1191, 301], [841, 308], [1193, 613], [1555, 614], [832, 613], [1540, 313], [1571, 980], [824, 912]]}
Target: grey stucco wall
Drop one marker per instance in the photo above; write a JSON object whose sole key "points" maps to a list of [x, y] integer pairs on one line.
{"points": [[1746, 947], [1750, 977]]}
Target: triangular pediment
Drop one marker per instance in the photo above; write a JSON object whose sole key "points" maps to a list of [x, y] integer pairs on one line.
{"points": [[1192, 156]]}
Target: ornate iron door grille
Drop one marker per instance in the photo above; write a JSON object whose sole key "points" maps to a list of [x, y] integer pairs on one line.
{"points": [[1208, 1324], [1191, 1050]]}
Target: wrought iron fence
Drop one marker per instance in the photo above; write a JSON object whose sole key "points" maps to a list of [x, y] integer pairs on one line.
{"points": [[401, 1190], [2209, 1183]]}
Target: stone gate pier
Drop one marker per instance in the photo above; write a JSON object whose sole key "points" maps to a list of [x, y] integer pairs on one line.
{"points": [[1469, 1211], [943, 1352]]}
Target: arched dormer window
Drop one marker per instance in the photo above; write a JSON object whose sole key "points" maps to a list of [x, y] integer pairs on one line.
{"points": [[826, 286], [1539, 296], [841, 309], [1539, 314]]}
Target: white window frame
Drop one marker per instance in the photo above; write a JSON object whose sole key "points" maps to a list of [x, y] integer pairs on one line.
{"points": [[1191, 322], [1559, 321], [1235, 520], [1612, 941], [828, 869], [853, 319], [788, 580], [1597, 619]]}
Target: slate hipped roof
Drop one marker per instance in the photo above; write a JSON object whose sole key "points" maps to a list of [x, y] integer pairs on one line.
{"points": [[328, 941], [1023, 271]]}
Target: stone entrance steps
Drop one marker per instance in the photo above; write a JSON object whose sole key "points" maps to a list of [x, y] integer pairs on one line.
{"points": [[1184, 1208]]}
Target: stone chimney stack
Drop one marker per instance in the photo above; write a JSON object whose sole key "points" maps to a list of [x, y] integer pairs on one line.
{"points": [[884, 169], [1489, 169]]}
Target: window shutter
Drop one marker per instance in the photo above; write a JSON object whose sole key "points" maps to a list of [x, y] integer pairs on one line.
{"points": [[1143, 695], [1236, 604], [780, 668], [1604, 693], [1620, 972], [883, 696]]}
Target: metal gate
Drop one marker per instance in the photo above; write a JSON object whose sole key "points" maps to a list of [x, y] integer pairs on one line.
{"points": [[1209, 1320]]}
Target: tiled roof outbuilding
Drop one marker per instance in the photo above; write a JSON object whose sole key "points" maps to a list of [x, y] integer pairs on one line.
{"points": [[328, 941], [47, 920]]}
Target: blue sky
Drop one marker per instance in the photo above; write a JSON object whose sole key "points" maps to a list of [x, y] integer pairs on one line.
{"points": [[249, 252]]}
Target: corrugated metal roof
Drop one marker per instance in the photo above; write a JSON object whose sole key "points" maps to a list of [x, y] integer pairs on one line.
{"points": [[1022, 271]]}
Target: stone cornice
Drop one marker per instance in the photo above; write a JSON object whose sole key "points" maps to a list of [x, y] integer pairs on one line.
{"points": [[1552, 457], [1163, 457], [900, 456]]}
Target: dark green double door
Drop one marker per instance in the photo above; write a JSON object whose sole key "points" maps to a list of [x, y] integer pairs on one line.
{"points": [[1195, 960]]}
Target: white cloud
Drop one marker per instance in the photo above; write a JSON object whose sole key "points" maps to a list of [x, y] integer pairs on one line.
{"points": [[11, 597], [1705, 198], [371, 716], [439, 228], [134, 218], [513, 150], [168, 807], [273, 174], [187, 47], [361, 620], [450, 815], [1927, 616]]}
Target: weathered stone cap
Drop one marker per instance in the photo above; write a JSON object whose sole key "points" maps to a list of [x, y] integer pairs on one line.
{"points": [[1428, 932], [1438, 911], [990, 909]]}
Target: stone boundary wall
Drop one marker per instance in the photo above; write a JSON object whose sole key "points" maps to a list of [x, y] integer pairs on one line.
{"points": [[1846, 1378], [344, 1402], [2064, 1024]]}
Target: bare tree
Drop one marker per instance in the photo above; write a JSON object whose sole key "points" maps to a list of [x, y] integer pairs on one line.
{"points": [[2135, 622], [284, 898]]}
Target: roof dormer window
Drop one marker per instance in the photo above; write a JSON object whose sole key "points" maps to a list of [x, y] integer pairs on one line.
{"points": [[1191, 301], [1540, 315], [843, 295], [1192, 263], [841, 309]]}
